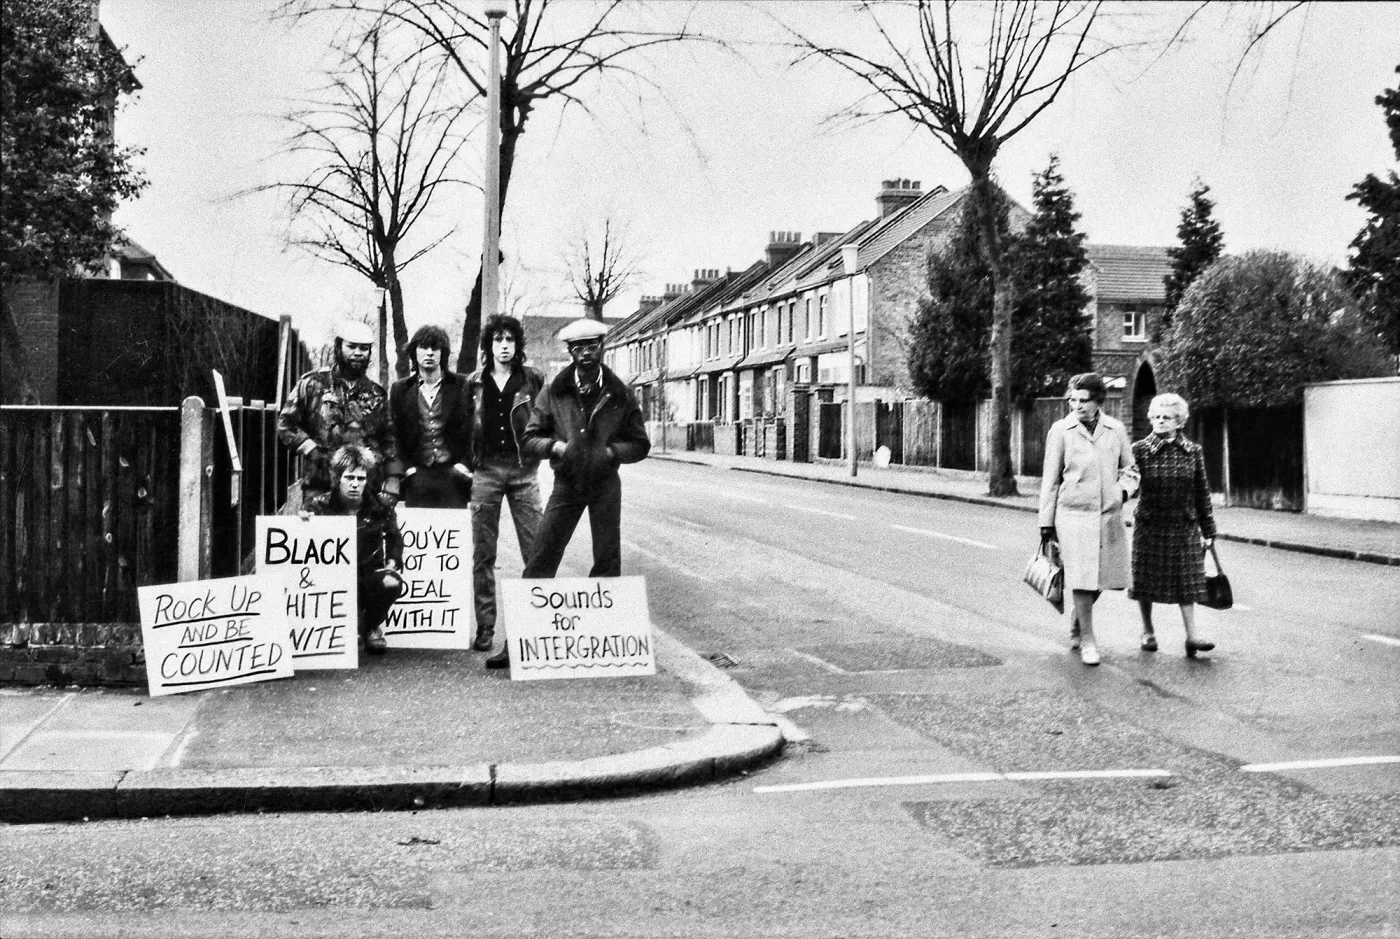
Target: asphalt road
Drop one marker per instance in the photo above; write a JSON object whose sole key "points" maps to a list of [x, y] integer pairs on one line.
{"points": [[956, 770]]}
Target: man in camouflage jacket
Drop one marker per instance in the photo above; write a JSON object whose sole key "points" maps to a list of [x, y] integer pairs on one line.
{"points": [[335, 405]]}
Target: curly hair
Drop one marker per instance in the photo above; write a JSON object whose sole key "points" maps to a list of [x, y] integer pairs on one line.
{"points": [[495, 325]]}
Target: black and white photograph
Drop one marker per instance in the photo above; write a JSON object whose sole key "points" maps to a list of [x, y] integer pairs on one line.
{"points": [[624, 469]]}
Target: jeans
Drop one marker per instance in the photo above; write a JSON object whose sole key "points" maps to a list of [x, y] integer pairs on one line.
{"points": [[566, 504], [497, 478], [436, 487]]}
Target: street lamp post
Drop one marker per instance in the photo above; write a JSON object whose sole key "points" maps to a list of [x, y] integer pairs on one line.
{"points": [[850, 257], [491, 239]]}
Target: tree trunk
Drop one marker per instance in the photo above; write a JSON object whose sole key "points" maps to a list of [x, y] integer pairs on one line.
{"points": [[1001, 480], [471, 329], [593, 310], [401, 363]]}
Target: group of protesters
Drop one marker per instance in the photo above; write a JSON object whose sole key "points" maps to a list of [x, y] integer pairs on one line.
{"points": [[437, 439]]}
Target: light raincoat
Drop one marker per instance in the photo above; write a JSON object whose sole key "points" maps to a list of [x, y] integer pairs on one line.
{"points": [[1082, 490]]}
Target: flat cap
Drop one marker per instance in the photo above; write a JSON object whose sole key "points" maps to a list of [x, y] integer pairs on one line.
{"points": [[583, 329]]}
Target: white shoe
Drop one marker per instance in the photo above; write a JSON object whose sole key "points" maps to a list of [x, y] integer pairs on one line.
{"points": [[1089, 654]]}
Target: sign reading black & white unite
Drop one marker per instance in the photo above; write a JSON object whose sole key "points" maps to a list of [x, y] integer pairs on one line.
{"points": [[213, 633], [436, 610], [577, 627], [314, 561]]}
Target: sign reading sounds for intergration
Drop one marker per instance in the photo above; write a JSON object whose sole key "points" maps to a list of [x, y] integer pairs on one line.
{"points": [[213, 633], [577, 627], [314, 561], [436, 610]]}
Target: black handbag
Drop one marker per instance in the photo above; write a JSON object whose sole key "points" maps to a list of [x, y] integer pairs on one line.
{"points": [[1219, 596]]}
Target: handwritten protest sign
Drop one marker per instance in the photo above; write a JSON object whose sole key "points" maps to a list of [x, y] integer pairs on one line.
{"points": [[436, 610], [577, 627], [314, 559], [213, 633]]}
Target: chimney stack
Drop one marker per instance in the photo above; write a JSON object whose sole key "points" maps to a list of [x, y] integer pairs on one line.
{"points": [[895, 194], [782, 245], [704, 277], [672, 292], [647, 304]]}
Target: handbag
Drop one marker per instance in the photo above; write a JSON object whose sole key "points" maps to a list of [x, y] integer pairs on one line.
{"points": [[1046, 576], [1219, 596]]}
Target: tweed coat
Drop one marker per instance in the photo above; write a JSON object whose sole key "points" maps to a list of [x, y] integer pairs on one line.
{"points": [[1082, 489]]}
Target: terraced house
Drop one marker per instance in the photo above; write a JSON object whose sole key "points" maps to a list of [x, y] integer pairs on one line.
{"points": [[752, 355]]}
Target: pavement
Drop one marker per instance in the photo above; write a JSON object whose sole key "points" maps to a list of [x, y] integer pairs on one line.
{"points": [[408, 730], [426, 729], [1348, 539]]}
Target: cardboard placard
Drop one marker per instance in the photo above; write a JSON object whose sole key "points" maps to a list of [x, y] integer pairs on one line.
{"points": [[577, 627], [213, 633], [314, 560], [436, 609]]}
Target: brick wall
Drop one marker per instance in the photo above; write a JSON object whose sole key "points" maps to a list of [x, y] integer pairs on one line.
{"points": [[72, 654]]}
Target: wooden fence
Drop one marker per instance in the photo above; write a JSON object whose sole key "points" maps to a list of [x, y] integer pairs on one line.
{"points": [[89, 509]]}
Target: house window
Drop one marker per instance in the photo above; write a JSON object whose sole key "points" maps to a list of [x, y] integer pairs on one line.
{"points": [[804, 372], [1134, 326], [807, 318], [821, 315]]}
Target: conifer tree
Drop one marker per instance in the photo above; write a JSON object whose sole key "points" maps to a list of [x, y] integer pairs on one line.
{"points": [[1201, 245], [1051, 340], [1374, 270], [949, 339]]}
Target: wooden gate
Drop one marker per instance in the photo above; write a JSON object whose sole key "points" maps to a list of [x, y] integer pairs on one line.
{"points": [[829, 430], [889, 428]]}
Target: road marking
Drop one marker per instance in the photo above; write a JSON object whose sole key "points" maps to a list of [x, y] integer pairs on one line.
{"points": [[939, 534], [686, 521], [713, 490], [1318, 764], [808, 508], [966, 778], [1388, 640], [1241, 606]]}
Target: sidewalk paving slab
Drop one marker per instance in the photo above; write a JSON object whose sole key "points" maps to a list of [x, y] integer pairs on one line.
{"points": [[1372, 542], [408, 731]]}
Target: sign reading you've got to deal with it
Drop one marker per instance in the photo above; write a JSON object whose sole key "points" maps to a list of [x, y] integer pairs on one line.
{"points": [[213, 633], [435, 611], [314, 561], [577, 627]]}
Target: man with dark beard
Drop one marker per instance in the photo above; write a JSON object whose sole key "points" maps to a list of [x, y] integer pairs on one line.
{"points": [[335, 405]]}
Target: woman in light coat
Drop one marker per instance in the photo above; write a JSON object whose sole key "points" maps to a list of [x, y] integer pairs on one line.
{"points": [[1089, 473]]}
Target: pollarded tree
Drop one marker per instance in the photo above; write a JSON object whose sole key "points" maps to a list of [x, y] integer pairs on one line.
{"points": [[1050, 341], [1201, 246], [1253, 330], [973, 76], [1374, 270]]}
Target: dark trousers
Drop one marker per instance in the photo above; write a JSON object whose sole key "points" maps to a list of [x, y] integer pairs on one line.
{"points": [[437, 487], [566, 504], [375, 600]]}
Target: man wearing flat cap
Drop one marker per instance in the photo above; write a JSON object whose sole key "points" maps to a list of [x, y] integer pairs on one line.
{"points": [[587, 423]]}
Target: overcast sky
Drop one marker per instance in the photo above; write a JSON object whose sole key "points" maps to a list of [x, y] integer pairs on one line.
{"points": [[726, 149]]}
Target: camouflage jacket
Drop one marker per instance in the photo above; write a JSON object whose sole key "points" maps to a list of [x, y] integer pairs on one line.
{"points": [[333, 411]]}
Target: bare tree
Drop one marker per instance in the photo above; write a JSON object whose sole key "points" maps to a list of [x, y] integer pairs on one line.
{"points": [[973, 78], [600, 266], [553, 51], [382, 141]]}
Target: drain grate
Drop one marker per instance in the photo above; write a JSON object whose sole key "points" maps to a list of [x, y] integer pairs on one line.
{"points": [[720, 660]]}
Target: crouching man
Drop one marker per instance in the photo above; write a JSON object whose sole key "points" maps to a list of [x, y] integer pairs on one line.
{"points": [[586, 422], [379, 543]]}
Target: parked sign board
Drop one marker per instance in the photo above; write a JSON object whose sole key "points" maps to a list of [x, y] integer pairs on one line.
{"points": [[314, 560], [436, 610]]}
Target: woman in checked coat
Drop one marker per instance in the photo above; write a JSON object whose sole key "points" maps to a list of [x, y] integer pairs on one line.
{"points": [[1089, 473], [1173, 524]]}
